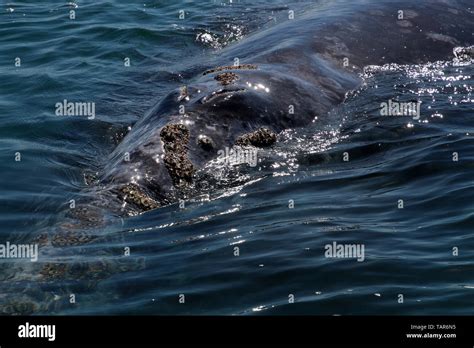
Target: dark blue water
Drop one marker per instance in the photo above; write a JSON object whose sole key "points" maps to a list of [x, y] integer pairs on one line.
{"points": [[280, 215]]}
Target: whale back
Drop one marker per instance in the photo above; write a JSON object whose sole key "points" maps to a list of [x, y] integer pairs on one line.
{"points": [[364, 31], [307, 64]]}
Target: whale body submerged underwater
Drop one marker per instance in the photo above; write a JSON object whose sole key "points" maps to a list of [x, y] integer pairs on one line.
{"points": [[286, 77], [245, 94], [306, 65]]}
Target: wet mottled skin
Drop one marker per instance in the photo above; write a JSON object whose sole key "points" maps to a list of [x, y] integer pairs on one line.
{"points": [[231, 67], [226, 78], [262, 137], [18, 307], [53, 270], [132, 194], [206, 143], [67, 238], [176, 138]]}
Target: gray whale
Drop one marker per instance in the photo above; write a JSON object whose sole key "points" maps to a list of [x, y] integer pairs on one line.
{"points": [[309, 63], [306, 65]]}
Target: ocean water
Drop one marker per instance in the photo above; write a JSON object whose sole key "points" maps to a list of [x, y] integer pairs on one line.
{"points": [[400, 187]]}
